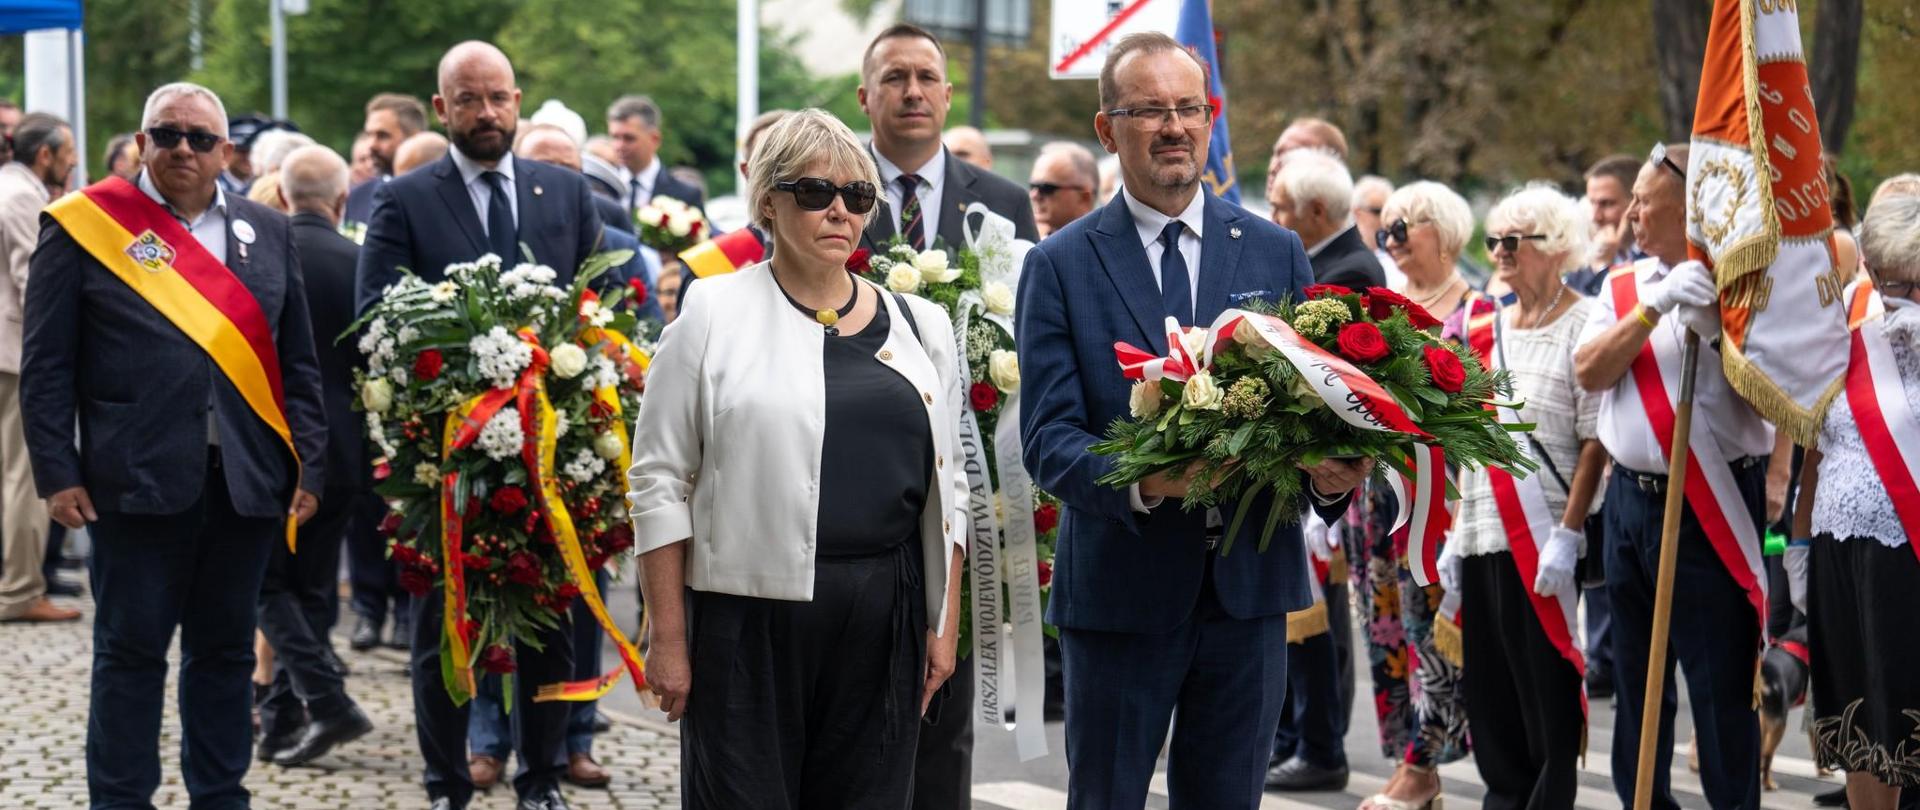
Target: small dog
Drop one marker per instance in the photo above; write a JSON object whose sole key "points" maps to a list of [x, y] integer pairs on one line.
{"points": [[1783, 685]]}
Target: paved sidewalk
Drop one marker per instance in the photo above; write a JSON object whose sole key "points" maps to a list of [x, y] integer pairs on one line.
{"points": [[43, 720]]}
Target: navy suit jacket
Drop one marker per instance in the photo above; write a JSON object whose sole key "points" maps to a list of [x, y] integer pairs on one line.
{"points": [[97, 352], [965, 185], [360, 201], [424, 220], [1346, 261], [635, 268], [327, 261], [1084, 288]]}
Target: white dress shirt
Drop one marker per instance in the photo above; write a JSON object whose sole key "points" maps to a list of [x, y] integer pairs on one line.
{"points": [[210, 230], [1627, 436], [933, 180], [1150, 223], [481, 193], [634, 198]]}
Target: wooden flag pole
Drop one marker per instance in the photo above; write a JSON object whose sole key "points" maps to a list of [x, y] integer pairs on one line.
{"points": [[1677, 458]]}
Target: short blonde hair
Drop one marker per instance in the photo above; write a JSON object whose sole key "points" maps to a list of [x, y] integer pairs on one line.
{"points": [[1430, 203], [266, 191], [797, 142], [1540, 208]]}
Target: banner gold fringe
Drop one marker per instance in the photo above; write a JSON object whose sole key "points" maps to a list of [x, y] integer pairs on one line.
{"points": [[1305, 624], [1446, 639]]}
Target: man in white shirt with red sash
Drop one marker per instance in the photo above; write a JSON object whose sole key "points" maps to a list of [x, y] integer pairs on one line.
{"points": [[1631, 351], [169, 321]]}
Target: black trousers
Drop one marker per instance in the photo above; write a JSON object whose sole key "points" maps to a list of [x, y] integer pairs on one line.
{"points": [[199, 571], [1523, 698], [808, 705], [297, 610], [1715, 638], [540, 728], [1314, 722], [943, 767], [375, 579]]}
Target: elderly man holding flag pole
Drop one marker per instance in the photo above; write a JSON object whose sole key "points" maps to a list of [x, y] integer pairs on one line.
{"points": [[1758, 231]]}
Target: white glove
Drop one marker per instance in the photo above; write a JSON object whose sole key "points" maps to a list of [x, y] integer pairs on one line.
{"points": [[1689, 283], [1449, 565], [1318, 544], [1555, 573], [1796, 562], [1704, 321]]}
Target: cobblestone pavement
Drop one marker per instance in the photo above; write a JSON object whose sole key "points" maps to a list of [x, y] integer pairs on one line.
{"points": [[43, 721]]}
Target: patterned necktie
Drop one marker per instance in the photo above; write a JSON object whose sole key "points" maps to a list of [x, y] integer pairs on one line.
{"points": [[500, 234], [913, 226], [1175, 295]]}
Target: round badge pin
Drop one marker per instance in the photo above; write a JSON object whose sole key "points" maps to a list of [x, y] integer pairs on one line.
{"points": [[243, 231]]}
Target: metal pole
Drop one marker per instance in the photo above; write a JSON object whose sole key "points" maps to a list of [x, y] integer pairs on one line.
{"points": [[1677, 459], [77, 98], [278, 20], [747, 88], [194, 44], [977, 111]]}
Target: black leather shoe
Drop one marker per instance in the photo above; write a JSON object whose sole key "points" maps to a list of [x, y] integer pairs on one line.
{"points": [[400, 637], [1599, 685], [1298, 774], [63, 588], [442, 803], [546, 798], [334, 663], [273, 747], [321, 735], [1834, 798], [366, 635]]}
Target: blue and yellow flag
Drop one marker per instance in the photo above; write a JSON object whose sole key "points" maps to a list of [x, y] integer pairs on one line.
{"points": [[1195, 30]]}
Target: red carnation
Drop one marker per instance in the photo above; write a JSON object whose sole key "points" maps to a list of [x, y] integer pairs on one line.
{"points": [[639, 287], [1325, 291], [600, 410], [509, 500], [984, 396], [567, 590], [469, 629], [618, 539], [390, 524], [1363, 343], [860, 261], [523, 569], [403, 553], [427, 365], [381, 469], [497, 660], [1046, 518], [1448, 374], [1045, 571], [693, 231], [415, 581]]}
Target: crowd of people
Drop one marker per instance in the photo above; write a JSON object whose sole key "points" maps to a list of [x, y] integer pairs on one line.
{"points": [[799, 509]]}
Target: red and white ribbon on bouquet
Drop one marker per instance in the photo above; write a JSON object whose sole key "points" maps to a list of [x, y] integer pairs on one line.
{"points": [[1352, 395]]}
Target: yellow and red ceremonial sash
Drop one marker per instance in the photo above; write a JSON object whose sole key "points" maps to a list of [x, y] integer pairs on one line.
{"points": [[1521, 504], [1888, 425], [141, 243], [1711, 491], [724, 254]]}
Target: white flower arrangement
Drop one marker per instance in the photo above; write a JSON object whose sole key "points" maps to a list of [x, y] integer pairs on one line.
{"points": [[584, 466], [568, 360], [904, 278], [501, 438], [501, 355]]}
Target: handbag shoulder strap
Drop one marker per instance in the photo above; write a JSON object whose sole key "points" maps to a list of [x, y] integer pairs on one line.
{"points": [[907, 312]]}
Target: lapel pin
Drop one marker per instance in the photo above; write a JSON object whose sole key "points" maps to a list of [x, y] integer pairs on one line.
{"points": [[243, 251], [537, 191], [243, 231], [1233, 233]]}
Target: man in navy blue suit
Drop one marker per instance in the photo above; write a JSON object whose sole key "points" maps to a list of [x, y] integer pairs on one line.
{"points": [[480, 200], [1152, 619]]}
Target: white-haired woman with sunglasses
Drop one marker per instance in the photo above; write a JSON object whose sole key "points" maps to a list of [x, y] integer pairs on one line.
{"points": [[800, 530], [1858, 577], [1515, 544]]}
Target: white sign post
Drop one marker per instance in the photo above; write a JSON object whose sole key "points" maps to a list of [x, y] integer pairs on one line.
{"points": [[1083, 30]]}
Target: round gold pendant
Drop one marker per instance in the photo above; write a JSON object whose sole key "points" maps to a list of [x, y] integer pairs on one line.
{"points": [[826, 317]]}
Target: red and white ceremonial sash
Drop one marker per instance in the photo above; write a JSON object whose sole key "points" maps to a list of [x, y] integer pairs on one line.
{"points": [[1521, 504], [144, 246], [1711, 491], [1863, 303], [1888, 425]]}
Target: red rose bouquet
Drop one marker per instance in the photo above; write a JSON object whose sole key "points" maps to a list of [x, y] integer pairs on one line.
{"points": [[1343, 374], [498, 403]]}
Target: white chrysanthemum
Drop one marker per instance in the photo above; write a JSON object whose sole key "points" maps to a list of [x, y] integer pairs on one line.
{"points": [[595, 314], [585, 466], [502, 437], [407, 334], [444, 292], [378, 432], [561, 423], [399, 375], [904, 252], [427, 473], [370, 340], [501, 356], [601, 373]]}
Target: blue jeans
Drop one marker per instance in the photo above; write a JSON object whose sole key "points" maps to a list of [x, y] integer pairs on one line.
{"points": [[198, 570]]}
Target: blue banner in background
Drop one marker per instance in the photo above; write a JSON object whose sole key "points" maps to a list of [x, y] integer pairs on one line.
{"points": [[1195, 31]]}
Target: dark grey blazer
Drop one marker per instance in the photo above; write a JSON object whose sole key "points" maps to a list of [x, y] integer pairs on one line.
{"points": [[327, 260], [424, 221], [98, 353], [1346, 261], [965, 185]]}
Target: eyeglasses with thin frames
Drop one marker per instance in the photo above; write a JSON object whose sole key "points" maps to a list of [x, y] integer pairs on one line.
{"points": [[1898, 289], [1191, 116]]}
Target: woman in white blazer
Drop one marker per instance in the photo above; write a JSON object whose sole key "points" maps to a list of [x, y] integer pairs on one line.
{"points": [[800, 528]]}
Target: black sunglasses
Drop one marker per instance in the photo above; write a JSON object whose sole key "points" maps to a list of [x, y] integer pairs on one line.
{"points": [[1396, 232], [1512, 241], [1050, 189], [168, 138], [816, 194]]}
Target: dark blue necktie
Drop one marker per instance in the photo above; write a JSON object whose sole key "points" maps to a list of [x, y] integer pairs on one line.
{"points": [[500, 233], [1174, 292]]}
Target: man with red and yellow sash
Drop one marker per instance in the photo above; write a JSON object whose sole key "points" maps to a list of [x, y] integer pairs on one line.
{"points": [[1631, 351], [169, 321]]}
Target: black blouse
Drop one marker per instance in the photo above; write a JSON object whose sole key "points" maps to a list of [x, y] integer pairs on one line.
{"points": [[876, 458]]}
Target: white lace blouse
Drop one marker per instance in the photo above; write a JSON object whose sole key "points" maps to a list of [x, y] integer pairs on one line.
{"points": [[1851, 500]]}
